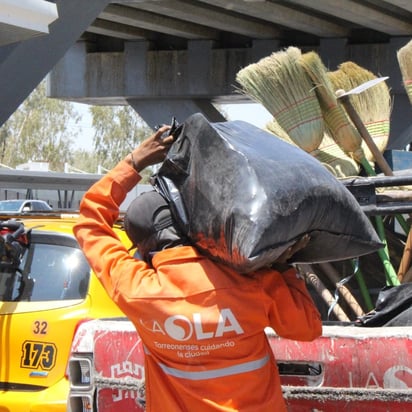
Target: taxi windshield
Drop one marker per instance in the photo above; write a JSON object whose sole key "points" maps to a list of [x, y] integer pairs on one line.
{"points": [[47, 272]]}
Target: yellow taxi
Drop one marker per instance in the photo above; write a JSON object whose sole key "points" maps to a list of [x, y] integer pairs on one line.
{"points": [[42, 304]]}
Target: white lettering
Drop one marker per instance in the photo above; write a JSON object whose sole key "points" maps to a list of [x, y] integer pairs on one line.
{"points": [[392, 377], [372, 381], [157, 327], [350, 380], [233, 325], [153, 327], [178, 332], [197, 319], [181, 328]]}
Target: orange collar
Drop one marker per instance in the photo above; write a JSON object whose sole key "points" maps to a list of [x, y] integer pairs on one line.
{"points": [[175, 254]]}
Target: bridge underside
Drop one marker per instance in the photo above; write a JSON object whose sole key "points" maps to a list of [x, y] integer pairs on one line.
{"points": [[173, 58]]}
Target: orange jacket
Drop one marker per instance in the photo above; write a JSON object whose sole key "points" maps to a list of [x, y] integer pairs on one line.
{"points": [[201, 323]]}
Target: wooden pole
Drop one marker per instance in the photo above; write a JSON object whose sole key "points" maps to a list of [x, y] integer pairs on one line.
{"points": [[353, 115]]}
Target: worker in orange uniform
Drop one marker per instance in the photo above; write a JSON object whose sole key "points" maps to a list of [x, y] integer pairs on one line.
{"points": [[202, 323]]}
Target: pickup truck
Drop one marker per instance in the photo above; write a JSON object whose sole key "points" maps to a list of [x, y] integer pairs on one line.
{"points": [[349, 368], [357, 364]]}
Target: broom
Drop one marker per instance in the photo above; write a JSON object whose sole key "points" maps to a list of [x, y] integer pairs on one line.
{"points": [[373, 105], [282, 87], [332, 156], [404, 56], [344, 133], [328, 153], [274, 127], [341, 128], [337, 122]]}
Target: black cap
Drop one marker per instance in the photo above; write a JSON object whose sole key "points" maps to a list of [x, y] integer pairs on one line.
{"points": [[146, 215]]}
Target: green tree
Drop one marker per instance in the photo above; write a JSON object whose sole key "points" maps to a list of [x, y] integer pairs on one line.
{"points": [[39, 130], [85, 161], [118, 130]]}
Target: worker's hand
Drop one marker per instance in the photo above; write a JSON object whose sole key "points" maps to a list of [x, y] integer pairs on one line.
{"points": [[291, 250], [281, 262], [151, 151]]}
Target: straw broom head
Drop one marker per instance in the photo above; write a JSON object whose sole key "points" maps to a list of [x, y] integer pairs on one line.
{"points": [[332, 156], [328, 153], [404, 56], [373, 105], [337, 122], [274, 127], [282, 87]]}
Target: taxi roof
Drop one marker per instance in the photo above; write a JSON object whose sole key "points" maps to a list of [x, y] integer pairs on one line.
{"points": [[57, 221]]}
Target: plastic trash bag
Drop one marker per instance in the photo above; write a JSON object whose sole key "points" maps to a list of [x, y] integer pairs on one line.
{"points": [[244, 196], [393, 308]]}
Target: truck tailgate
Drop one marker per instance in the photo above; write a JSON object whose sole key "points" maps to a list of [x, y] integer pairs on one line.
{"points": [[348, 368]]}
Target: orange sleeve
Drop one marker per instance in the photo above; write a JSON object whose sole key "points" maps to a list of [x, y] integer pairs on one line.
{"points": [[106, 254], [292, 312]]}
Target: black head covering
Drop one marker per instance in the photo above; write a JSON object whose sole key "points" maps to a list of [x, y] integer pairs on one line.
{"points": [[149, 224]]}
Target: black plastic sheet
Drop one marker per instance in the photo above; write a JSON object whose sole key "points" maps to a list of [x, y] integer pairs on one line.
{"points": [[393, 308], [244, 196]]}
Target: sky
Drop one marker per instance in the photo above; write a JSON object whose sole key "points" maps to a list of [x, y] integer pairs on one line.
{"points": [[253, 113]]}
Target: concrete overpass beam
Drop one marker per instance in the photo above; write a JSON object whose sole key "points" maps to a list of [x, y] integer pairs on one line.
{"points": [[70, 71], [42, 53], [200, 68], [135, 67], [161, 111], [200, 72], [401, 131], [263, 48], [333, 52]]}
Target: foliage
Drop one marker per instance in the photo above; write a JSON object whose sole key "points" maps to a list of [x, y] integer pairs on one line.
{"points": [[39, 131], [118, 130], [45, 130], [84, 161]]}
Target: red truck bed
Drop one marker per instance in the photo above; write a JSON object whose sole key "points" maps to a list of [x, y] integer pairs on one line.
{"points": [[349, 368]]}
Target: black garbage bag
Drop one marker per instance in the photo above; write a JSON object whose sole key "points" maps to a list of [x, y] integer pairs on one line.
{"points": [[244, 196], [393, 308]]}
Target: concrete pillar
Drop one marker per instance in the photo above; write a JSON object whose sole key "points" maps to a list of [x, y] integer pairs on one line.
{"points": [[26, 64], [135, 67], [70, 73], [199, 66]]}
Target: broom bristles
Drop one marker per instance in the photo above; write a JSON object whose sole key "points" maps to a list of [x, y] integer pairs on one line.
{"points": [[404, 56], [372, 105], [274, 127], [337, 122], [328, 153], [282, 87]]}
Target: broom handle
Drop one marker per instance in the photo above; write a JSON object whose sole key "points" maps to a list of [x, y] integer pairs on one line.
{"points": [[391, 276], [380, 160], [334, 276], [362, 286], [406, 258], [324, 292]]}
